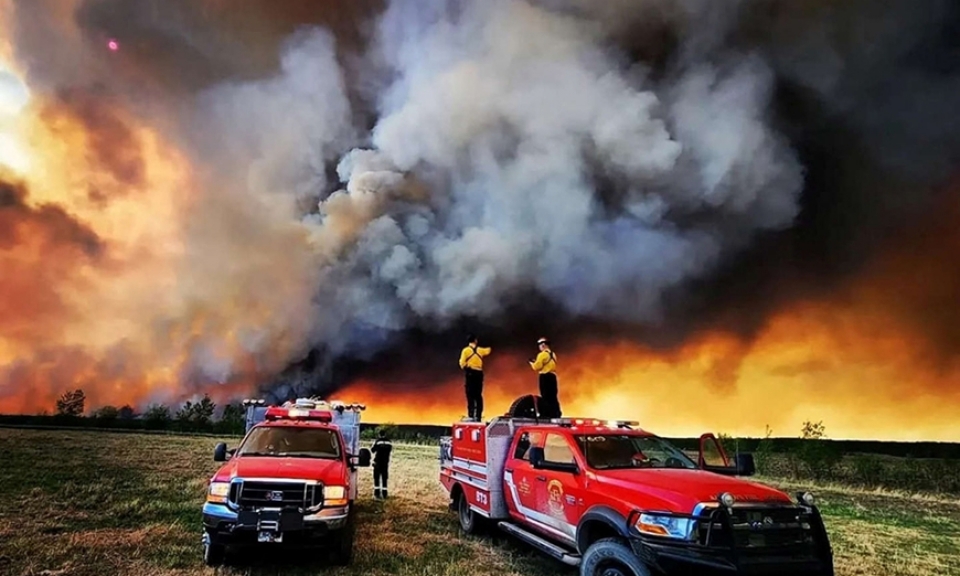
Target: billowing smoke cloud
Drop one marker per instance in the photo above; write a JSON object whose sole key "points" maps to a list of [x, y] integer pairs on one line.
{"points": [[541, 166], [381, 176]]}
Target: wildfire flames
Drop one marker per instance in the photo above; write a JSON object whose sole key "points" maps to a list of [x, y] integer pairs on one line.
{"points": [[132, 269]]}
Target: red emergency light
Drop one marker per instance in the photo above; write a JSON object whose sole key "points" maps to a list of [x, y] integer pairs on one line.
{"points": [[593, 422], [295, 413]]}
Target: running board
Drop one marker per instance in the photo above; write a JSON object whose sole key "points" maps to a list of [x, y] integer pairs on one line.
{"points": [[544, 546]]}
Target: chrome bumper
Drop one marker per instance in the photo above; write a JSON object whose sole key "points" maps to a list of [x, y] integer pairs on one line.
{"points": [[219, 516]]}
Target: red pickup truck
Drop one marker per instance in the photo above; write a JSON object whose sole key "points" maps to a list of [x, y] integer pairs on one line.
{"points": [[619, 501], [291, 481]]}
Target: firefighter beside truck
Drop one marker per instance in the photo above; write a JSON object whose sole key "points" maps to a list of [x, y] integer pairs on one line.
{"points": [[616, 500], [292, 480]]}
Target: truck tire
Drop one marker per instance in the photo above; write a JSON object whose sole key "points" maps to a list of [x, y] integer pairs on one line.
{"points": [[611, 557], [525, 406], [342, 553], [470, 521], [214, 554]]}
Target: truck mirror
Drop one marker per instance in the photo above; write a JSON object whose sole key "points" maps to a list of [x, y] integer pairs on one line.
{"points": [[364, 459], [536, 456], [745, 465], [220, 452]]}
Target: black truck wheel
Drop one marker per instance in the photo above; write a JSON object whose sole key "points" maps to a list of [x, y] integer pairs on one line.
{"points": [[525, 406], [214, 554], [611, 557], [470, 521], [342, 553]]}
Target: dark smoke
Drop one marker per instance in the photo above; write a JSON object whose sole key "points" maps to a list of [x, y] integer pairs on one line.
{"points": [[580, 169]]}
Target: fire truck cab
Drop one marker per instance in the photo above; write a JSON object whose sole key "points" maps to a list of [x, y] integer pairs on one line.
{"points": [[291, 481], [616, 500]]}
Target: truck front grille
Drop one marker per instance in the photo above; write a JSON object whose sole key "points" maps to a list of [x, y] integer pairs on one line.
{"points": [[273, 494], [760, 529]]}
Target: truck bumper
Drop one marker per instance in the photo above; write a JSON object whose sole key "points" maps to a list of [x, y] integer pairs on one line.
{"points": [[684, 561], [804, 552], [223, 525]]}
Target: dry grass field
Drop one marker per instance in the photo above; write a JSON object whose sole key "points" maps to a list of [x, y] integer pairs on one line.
{"points": [[98, 504]]}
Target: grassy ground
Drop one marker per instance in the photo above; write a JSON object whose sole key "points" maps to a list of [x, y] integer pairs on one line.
{"points": [[86, 503]]}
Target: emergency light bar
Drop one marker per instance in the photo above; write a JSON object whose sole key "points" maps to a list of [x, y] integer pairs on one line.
{"points": [[593, 422], [293, 413]]}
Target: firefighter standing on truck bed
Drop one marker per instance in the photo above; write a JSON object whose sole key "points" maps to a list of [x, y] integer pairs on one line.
{"points": [[471, 362], [546, 365], [381, 464]]}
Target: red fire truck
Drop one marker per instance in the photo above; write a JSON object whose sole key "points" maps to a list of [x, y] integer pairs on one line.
{"points": [[616, 500], [292, 480]]}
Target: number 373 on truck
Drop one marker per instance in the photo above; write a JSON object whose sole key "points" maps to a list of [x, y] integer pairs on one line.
{"points": [[619, 501]]}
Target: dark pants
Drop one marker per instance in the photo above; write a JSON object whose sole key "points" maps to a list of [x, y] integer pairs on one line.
{"points": [[380, 473], [473, 385], [549, 403]]}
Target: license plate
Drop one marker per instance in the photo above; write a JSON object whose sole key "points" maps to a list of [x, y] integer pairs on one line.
{"points": [[266, 536]]}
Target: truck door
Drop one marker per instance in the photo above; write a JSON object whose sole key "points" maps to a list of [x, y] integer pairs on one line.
{"points": [[559, 491], [518, 475], [712, 453]]}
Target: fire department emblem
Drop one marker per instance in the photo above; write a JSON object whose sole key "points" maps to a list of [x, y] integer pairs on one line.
{"points": [[555, 497]]}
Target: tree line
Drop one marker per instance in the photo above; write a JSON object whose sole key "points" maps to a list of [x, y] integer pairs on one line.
{"points": [[191, 416]]}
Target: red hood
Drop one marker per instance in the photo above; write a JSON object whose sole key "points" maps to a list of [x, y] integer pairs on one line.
{"points": [[327, 471], [678, 490]]}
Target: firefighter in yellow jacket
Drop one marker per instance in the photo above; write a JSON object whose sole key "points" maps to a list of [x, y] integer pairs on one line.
{"points": [[471, 362], [545, 364]]}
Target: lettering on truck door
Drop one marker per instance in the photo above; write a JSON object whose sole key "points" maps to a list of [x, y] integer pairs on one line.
{"points": [[559, 493], [518, 474]]}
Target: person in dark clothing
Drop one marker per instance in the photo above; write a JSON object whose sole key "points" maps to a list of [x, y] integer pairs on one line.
{"points": [[545, 364], [471, 362], [381, 464]]}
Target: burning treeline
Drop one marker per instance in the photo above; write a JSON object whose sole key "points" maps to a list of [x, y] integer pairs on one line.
{"points": [[724, 216]]}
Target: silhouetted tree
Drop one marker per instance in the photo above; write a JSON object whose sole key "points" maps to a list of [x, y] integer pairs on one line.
{"points": [[233, 418], [196, 416], [107, 413], [157, 417]]}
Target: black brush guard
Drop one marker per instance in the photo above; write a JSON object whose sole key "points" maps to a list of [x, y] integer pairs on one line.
{"points": [[749, 541]]}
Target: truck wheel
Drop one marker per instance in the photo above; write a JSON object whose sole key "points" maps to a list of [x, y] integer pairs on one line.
{"points": [[610, 557], [342, 553], [525, 406], [469, 520], [214, 554]]}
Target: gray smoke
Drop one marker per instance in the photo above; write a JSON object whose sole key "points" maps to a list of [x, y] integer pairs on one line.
{"points": [[513, 153]]}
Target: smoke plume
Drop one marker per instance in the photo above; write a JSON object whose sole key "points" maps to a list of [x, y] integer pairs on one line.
{"points": [[332, 194]]}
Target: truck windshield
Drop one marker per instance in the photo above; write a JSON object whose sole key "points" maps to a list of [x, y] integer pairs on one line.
{"points": [[291, 442], [610, 451]]}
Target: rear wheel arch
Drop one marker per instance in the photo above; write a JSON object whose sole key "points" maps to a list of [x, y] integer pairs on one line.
{"points": [[455, 493], [600, 523]]}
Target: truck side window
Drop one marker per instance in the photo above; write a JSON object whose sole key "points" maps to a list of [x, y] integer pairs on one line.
{"points": [[524, 443], [558, 450]]}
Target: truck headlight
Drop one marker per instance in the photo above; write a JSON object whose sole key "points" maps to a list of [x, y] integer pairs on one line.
{"points": [[335, 496], [218, 492], [668, 526]]}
